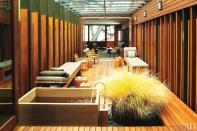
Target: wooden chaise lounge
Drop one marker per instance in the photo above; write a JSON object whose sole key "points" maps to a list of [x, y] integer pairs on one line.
{"points": [[133, 62], [136, 64], [72, 68]]}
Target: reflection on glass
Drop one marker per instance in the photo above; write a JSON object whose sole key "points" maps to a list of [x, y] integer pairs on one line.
{"points": [[110, 33], [97, 32], [6, 90]]}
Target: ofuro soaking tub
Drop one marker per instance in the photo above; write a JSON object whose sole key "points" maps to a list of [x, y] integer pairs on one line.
{"points": [[59, 106]]}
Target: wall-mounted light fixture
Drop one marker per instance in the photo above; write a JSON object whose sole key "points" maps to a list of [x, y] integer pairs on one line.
{"points": [[145, 13], [135, 18], [159, 5]]}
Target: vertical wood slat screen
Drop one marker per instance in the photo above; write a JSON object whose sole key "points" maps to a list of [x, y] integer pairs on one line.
{"points": [[61, 48], [44, 41], [43, 48], [77, 39], [50, 43], [34, 48], [69, 41], [176, 54], [178, 63], [75, 32], [24, 67], [192, 57], [196, 68], [66, 40], [74, 39], [56, 42]]}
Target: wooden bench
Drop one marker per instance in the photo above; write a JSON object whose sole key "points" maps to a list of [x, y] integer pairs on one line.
{"points": [[72, 68], [176, 113]]}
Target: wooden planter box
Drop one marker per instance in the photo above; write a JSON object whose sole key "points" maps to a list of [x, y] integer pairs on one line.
{"points": [[45, 106]]}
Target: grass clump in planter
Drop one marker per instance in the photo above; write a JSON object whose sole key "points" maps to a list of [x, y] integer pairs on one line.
{"points": [[136, 98]]}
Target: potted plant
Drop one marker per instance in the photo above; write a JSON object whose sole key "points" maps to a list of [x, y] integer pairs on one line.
{"points": [[136, 98]]}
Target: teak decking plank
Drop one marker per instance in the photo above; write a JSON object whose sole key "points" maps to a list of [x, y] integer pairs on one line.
{"points": [[59, 128], [87, 128]]}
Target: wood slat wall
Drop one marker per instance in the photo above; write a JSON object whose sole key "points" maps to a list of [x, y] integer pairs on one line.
{"points": [[196, 67], [176, 56], [34, 64], [45, 42], [50, 43], [69, 41], [192, 57], [66, 40], [56, 43], [61, 48], [24, 66]]}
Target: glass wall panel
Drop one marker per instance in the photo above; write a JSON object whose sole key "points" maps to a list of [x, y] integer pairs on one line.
{"points": [[96, 33], [6, 46], [110, 33]]}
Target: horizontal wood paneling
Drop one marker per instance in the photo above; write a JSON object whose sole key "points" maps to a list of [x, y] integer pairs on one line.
{"points": [[168, 6]]}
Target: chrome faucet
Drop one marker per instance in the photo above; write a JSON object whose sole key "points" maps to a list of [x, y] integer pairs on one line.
{"points": [[100, 82]]}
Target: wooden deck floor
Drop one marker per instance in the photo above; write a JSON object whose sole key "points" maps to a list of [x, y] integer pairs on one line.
{"points": [[175, 115], [66, 128], [100, 70]]}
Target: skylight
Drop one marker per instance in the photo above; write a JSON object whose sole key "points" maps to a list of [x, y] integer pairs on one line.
{"points": [[97, 8]]}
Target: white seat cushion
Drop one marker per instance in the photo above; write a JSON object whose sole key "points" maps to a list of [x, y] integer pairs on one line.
{"points": [[131, 54]]}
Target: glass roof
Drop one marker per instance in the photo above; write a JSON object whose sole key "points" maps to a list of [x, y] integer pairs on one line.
{"points": [[103, 7]]}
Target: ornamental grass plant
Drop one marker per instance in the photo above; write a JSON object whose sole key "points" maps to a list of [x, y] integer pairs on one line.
{"points": [[135, 96]]}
